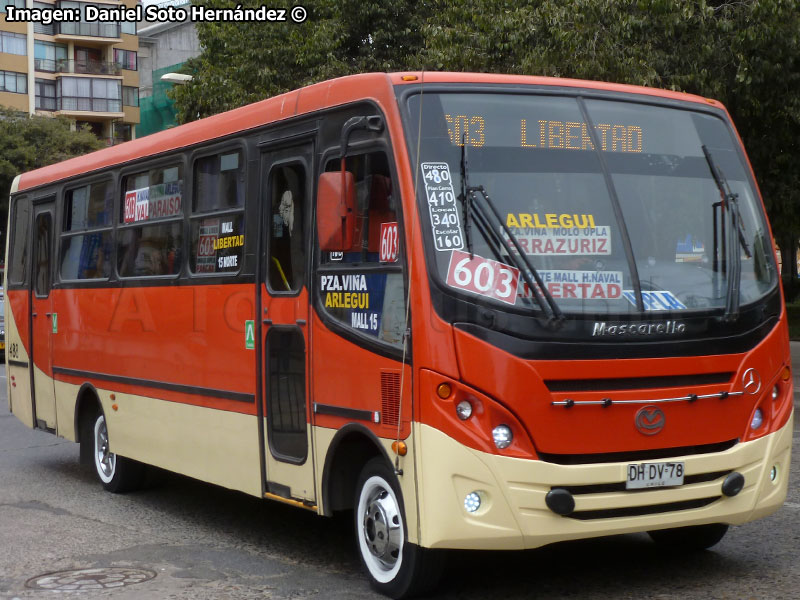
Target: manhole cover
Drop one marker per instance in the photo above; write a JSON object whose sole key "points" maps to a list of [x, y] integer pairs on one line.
{"points": [[89, 579]]}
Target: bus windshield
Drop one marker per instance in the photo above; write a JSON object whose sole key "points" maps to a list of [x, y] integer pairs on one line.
{"points": [[613, 202]]}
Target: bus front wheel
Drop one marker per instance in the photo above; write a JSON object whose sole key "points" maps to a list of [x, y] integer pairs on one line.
{"points": [[696, 537], [396, 567], [117, 473]]}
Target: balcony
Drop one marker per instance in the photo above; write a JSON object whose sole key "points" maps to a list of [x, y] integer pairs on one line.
{"points": [[89, 67]]}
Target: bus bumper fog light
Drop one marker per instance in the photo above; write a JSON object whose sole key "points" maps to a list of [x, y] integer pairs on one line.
{"points": [[773, 473], [733, 484], [775, 393], [502, 436], [560, 501], [472, 502], [758, 419], [464, 410]]}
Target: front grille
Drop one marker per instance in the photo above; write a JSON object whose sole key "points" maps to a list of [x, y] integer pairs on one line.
{"points": [[635, 455], [603, 488], [637, 383], [638, 511]]}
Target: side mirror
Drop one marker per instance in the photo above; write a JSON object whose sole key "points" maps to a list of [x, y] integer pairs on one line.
{"points": [[336, 201]]}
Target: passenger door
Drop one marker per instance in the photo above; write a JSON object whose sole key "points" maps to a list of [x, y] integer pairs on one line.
{"points": [[286, 186], [44, 322]]}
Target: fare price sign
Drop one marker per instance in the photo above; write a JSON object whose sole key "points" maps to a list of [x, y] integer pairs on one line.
{"points": [[447, 233], [483, 276]]}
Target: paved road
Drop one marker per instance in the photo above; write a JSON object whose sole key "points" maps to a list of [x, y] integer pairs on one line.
{"points": [[200, 541]]}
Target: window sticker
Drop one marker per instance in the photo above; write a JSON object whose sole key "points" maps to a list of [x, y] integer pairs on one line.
{"points": [[356, 299], [161, 200], [445, 224], [656, 300], [560, 234], [389, 242], [206, 242], [579, 285], [483, 276]]}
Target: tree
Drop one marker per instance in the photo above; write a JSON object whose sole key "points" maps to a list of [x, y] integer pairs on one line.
{"points": [[243, 62], [28, 143]]}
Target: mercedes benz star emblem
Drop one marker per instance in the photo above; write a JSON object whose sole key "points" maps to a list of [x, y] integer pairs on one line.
{"points": [[751, 381], [650, 420]]}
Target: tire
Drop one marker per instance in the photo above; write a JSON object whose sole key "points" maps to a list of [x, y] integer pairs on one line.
{"points": [[117, 473], [395, 567], [695, 538]]}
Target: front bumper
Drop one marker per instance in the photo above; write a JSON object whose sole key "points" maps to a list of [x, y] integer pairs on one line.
{"points": [[513, 513]]}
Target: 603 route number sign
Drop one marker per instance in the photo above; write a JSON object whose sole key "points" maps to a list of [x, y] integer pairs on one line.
{"points": [[483, 276]]}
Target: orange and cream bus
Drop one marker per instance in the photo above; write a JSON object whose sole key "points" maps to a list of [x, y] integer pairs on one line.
{"points": [[478, 311]]}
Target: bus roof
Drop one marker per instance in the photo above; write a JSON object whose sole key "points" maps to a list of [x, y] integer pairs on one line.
{"points": [[314, 97]]}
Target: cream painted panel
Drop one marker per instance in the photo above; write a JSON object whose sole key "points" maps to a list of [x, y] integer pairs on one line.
{"points": [[66, 400], [299, 478], [217, 446], [19, 396], [45, 398], [514, 514]]}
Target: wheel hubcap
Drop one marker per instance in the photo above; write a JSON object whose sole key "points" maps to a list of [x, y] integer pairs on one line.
{"points": [[106, 461], [382, 527]]}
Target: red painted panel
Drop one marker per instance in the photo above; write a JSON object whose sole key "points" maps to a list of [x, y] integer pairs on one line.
{"points": [[347, 375], [18, 303], [176, 334], [519, 386]]}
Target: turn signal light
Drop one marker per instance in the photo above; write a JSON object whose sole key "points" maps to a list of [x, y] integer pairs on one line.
{"points": [[409, 78], [444, 390], [786, 374], [400, 448]]}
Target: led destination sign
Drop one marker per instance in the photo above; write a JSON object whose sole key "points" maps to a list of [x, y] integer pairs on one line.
{"points": [[473, 130]]}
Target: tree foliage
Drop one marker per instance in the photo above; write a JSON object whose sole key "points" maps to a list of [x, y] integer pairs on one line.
{"points": [[745, 53], [31, 142]]}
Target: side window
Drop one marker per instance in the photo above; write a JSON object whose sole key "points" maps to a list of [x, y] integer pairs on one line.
{"points": [[217, 219], [287, 251], [150, 235], [86, 232], [362, 287], [19, 243]]}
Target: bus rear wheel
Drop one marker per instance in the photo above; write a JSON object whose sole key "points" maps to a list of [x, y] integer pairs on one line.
{"points": [[117, 473], [696, 537], [396, 567]]}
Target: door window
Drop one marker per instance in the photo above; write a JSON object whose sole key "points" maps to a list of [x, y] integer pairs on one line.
{"points": [[41, 280], [286, 407], [287, 236]]}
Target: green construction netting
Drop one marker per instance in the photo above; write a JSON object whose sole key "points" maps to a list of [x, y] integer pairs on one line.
{"points": [[157, 111]]}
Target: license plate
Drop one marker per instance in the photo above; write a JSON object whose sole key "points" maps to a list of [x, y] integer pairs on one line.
{"points": [[653, 475]]}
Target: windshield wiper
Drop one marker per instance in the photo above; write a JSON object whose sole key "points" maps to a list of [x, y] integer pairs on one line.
{"points": [[733, 259], [487, 222]]}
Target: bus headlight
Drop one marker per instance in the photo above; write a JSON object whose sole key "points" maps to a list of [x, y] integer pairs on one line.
{"points": [[464, 410], [502, 436], [758, 419]]}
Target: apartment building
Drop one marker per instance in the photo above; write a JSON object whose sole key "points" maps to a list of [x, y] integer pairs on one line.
{"points": [[85, 71]]}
